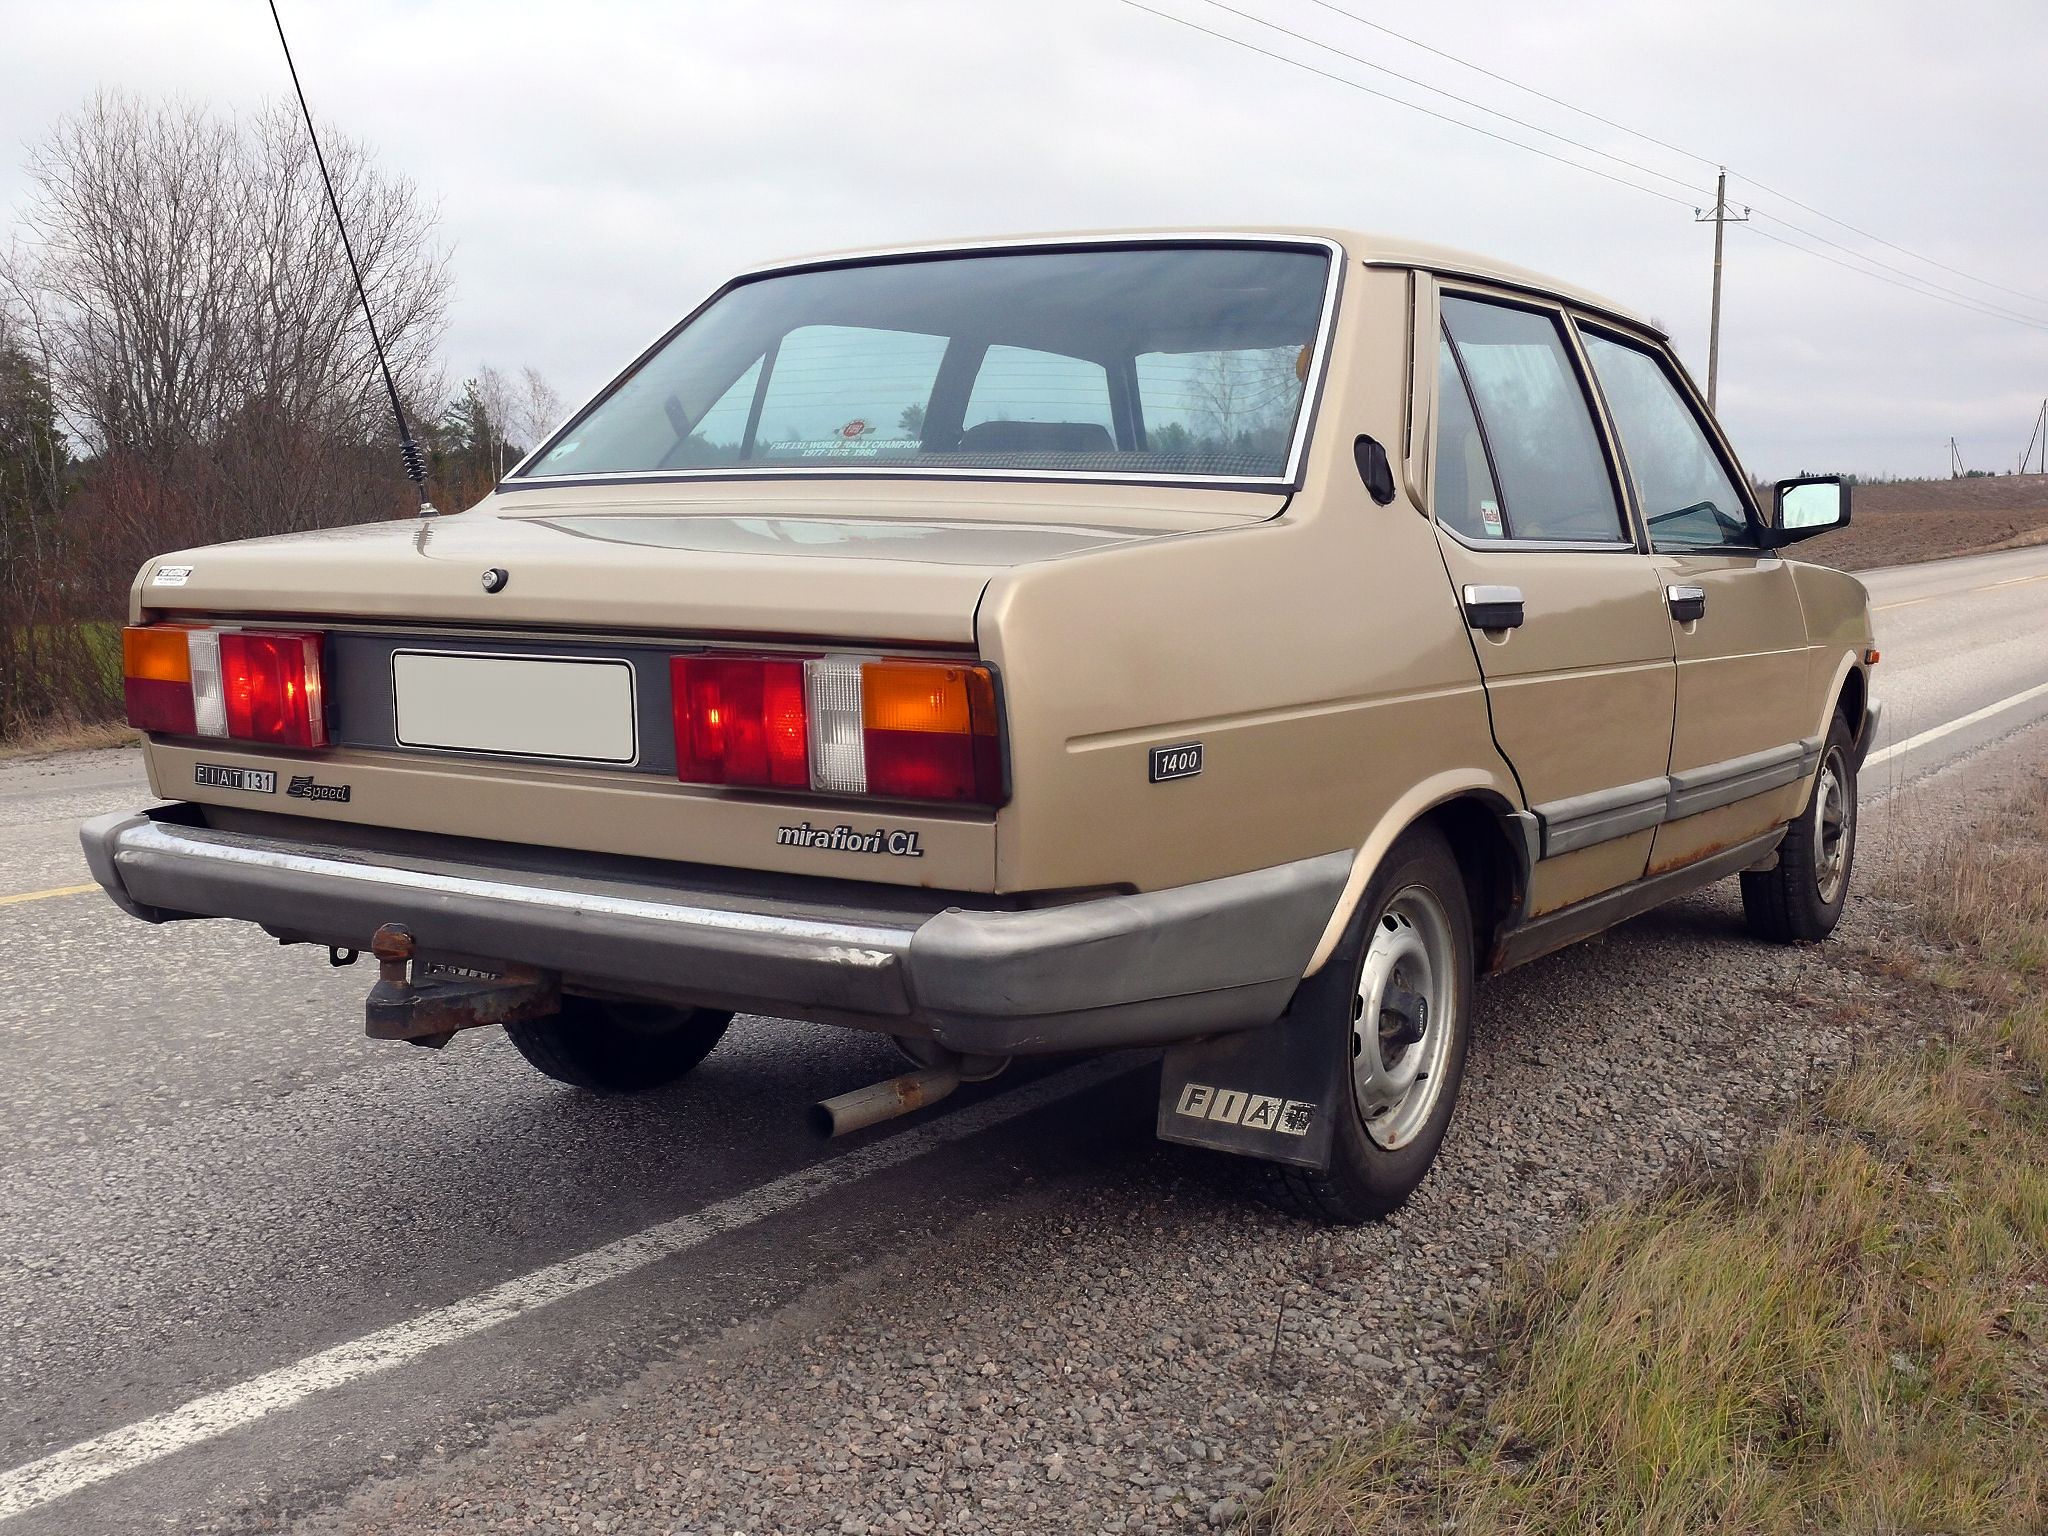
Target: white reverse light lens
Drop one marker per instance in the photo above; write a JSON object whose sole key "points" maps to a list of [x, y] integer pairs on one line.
{"points": [[839, 763], [209, 701]]}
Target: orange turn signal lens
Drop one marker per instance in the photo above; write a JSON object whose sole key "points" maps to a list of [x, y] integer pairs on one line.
{"points": [[922, 696], [1870, 657], [156, 654]]}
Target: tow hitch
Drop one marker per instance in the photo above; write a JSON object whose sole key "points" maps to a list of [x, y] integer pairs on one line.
{"points": [[427, 1000]]}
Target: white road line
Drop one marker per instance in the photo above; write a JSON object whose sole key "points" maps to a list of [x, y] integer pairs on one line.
{"points": [[1964, 722], [205, 1418]]}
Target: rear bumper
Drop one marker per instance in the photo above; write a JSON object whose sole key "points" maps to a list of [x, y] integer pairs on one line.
{"points": [[1091, 974]]}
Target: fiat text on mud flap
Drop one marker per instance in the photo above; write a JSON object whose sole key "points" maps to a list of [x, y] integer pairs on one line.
{"points": [[1235, 643]]}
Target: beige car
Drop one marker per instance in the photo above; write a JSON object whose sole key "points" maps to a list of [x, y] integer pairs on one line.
{"points": [[1236, 643]]}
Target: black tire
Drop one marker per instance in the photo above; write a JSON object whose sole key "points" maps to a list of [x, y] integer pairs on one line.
{"points": [[1366, 1179], [1801, 900], [613, 1047]]}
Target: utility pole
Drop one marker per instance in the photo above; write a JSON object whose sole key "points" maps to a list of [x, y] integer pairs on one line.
{"points": [[1722, 218], [2040, 428], [1955, 460]]}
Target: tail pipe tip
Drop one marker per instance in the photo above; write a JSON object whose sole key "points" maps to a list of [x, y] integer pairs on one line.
{"points": [[863, 1107]]}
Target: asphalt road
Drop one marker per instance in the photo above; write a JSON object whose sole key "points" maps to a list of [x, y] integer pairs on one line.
{"points": [[254, 1261]]}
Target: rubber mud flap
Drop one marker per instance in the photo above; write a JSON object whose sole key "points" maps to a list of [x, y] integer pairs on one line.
{"points": [[1270, 1092]]}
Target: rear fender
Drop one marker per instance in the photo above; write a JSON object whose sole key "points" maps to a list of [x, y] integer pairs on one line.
{"points": [[1498, 790]]}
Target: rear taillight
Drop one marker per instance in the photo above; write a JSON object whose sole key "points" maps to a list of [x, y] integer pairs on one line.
{"points": [[914, 730], [240, 684]]}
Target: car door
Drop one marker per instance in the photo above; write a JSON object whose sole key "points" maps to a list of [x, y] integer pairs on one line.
{"points": [[1741, 746], [1565, 612]]}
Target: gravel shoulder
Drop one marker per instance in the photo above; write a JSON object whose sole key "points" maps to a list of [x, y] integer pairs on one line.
{"points": [[1129, 1345]]}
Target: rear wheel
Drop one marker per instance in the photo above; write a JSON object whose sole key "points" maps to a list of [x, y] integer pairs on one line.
{"points": [[1801, 899], [1397, 999], [618, 1047]]}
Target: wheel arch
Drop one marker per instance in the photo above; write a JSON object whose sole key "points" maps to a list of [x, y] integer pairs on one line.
{"points": [[1492, 837]]}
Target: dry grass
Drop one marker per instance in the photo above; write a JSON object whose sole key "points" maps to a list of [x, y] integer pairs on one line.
{"points": [[1851, 1334], [69, 736]]}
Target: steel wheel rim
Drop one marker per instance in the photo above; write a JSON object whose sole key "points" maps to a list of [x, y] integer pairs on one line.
{"points": [[1397, 1058], [1834, 823]]}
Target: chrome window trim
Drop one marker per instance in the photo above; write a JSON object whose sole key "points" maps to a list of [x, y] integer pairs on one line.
{"points": [[1530, 546], [1288, 480]]}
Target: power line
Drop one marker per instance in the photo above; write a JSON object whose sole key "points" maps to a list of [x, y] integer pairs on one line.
{"points": [[1913, 282], [1676, 149], [1238, 42], [1910, 287], [1889, 244], [1556, 101], [1990, 306], [1463, 101]]}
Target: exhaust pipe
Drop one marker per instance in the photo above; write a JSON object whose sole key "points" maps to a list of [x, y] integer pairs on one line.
{"points": [[883, 1101]]}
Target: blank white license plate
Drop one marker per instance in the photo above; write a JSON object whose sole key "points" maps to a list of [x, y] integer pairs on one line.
{"points": [[528, 706]]}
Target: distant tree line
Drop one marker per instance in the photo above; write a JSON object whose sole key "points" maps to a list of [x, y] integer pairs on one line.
{"points": [[183, 361]]}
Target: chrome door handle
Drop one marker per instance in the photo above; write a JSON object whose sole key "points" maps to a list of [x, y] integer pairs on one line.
{"points": [[1687, 603], [1493, 607]]}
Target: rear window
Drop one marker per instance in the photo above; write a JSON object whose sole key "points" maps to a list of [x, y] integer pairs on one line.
{"points": [[1177, 361]]}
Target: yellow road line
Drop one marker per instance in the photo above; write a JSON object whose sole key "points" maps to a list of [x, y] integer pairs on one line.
{"points": [[1908, 602], [61, 890]]}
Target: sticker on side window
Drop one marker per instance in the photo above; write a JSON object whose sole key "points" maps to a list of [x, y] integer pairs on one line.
{"points": [[1490, 519]]}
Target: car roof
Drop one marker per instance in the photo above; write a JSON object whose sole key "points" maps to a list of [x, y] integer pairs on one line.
{"points": [[1374, 250]]}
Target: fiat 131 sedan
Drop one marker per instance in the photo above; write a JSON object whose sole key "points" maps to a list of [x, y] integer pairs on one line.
{"points": [[1235, 643]]}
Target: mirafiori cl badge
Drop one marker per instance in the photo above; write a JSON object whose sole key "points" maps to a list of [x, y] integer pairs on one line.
{"points": [[495, 579]]}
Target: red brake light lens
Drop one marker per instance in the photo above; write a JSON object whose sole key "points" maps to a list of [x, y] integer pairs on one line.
{"points": [[272, 688], [740, 720]]}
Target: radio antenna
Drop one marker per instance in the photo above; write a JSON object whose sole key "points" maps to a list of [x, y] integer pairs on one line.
{"points": [[408, 450]]}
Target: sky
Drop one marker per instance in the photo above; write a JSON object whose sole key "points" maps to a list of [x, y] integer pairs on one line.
{"points": [[600, 166]]}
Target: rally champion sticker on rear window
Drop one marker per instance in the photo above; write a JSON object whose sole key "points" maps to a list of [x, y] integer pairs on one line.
{"points": [[899, 844]]}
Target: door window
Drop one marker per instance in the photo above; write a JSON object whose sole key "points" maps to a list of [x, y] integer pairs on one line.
{"points": [[1552, 478], [1690, 501]]}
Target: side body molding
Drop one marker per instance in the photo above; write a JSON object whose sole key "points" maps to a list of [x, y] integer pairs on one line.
{"points": [[1584, 820]]}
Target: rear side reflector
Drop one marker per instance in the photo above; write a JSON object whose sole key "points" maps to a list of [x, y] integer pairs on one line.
{"points": [[242, 685], [846, 725]]}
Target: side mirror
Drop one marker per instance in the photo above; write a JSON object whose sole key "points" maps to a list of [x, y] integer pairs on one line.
{"points": [[1806, 506]]}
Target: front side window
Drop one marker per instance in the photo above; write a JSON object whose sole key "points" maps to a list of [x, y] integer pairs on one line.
{"points": [[1169, 360], [1553, 480], [1689, 499]]}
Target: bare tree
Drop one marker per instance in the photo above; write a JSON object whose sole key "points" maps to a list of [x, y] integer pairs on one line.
{"points": [[541, 407], [178, 314], [202, 318]]}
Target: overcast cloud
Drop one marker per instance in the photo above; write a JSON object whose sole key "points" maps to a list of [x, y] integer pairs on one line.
{"points": [[600, 165]]}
